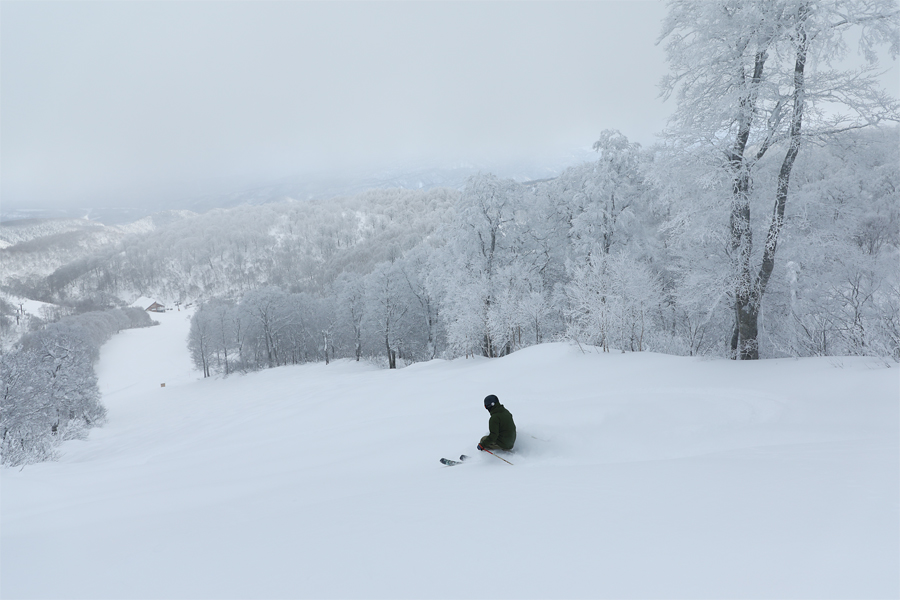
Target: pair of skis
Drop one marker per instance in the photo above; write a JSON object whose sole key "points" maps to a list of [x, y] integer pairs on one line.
{"points": [[453, 463], [463, 458]]}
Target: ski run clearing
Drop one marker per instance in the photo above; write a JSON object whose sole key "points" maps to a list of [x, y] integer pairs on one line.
{"points": [[635, 475]]}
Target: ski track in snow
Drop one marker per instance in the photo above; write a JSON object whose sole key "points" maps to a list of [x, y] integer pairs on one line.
{"points": [[635, 476]]}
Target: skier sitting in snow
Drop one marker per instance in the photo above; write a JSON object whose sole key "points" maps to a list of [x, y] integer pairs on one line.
{"points": [[502, 428]]}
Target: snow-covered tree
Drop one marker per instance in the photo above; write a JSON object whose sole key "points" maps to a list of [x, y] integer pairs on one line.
{"points": [[387, 293], [351, 306], [613, 299], [414, 267], [481, 244], [838, 287], [270, 315], [753, 76], [200, 339], [49, 389]]}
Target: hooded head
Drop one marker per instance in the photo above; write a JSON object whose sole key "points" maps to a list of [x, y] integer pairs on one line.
{"points": [[491, 401]]}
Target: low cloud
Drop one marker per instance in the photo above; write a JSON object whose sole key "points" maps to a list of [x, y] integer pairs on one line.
{"points": [[120, 102]]}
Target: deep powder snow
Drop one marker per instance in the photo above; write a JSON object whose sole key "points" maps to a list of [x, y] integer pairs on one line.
{"points": [[635, 476]]}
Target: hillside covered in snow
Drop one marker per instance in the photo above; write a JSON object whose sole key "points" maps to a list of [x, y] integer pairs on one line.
{"points": [[634, 475]]}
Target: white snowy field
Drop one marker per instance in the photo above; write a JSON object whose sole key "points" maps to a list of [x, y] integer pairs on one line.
{"points": [[635, 476]]}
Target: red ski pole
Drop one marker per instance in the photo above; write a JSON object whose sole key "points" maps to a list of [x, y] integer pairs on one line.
{"points": [[500, 457]]}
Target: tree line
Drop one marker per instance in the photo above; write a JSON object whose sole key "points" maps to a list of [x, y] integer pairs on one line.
{"points": [[606, 254], [49, 389]]}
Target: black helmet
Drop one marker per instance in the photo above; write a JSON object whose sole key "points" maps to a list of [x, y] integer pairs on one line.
{"points": [[490, 401]]}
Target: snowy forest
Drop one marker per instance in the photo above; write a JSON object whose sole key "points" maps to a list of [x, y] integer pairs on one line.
{"points": [[50, 389], [766, 223]]}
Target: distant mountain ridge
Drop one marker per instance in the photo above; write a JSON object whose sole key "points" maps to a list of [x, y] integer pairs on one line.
{"points": [[309, 187]]}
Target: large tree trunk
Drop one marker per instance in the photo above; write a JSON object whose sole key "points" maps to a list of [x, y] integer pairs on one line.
{"points": [[784, 175], [391, 353], [744, 343], [748, 313]]}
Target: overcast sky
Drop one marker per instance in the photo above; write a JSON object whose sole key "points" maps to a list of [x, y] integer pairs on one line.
{"points": [[113, 102]]}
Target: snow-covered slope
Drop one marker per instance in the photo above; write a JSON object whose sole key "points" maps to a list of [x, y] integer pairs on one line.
{"points": [[635, 475]]}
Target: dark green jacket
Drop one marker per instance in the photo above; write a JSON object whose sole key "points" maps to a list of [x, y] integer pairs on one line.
{"points": [[502, 429]]}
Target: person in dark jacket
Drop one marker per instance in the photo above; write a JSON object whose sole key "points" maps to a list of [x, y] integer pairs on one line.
{"points": [[502, 428]]}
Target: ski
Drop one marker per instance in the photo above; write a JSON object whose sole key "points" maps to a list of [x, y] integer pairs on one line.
{"points": [[453, 463]]}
